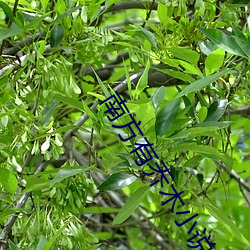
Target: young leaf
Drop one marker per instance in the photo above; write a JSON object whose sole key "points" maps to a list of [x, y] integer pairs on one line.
{"points": [[214, 61], [8, 180], [132, 203], [56, 35], [166, 117], [162, 12], [117, 181]]}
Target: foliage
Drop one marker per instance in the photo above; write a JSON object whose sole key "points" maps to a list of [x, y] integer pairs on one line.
{"points": [[67, 181]]}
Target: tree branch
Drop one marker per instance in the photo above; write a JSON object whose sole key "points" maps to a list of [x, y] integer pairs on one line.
{"points": [[21, 44], [235, 176], [20, 203]]}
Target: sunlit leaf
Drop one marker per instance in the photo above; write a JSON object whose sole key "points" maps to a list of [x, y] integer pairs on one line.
{"points": [[214, 61], [8, 180], [131, 204]]}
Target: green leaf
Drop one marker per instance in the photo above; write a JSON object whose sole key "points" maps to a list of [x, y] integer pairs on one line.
{"points": [[244, 45], [49, 244], [162, 12], [186, 54], [66, 172], [143, 81], [56, 35], [98, 210], [68, 12], [9, 32], [117, 181], [9, 211], [104, 89], [216, 110], [147, 35], [132, 203], [166, 117], [41, 243], [214, 61], [198, 175], [202, 114], [194, 161], [177, 74], [227, 223], [219, 125], [49, 110], [7, 10], [193, 132], [197, 85], [70, 101], [158, 97], [44, 3], [35, 183], [189, 68], [204, 150], [223, 41], [8, 180], [13, 246]]}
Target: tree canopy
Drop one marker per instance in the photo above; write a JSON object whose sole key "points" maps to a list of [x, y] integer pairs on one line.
{"points": [[124, 124]]}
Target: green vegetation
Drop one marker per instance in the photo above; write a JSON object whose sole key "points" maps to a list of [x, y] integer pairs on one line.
{"points": [[67, 181]]}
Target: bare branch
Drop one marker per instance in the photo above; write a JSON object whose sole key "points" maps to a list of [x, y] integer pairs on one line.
{"points": [[236, 177]]}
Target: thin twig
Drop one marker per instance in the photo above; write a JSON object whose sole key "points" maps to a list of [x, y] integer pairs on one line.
{"points": [[235, 176], [9, 24], [37, 97], [148, 14]]}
